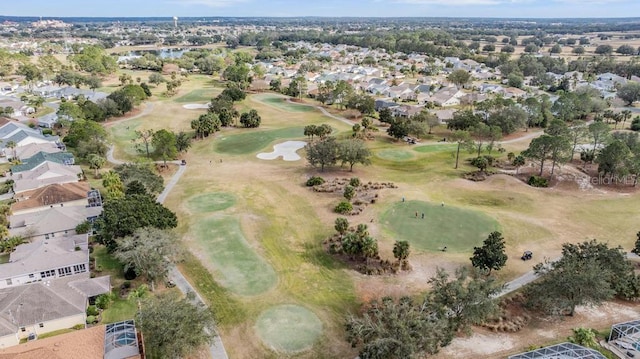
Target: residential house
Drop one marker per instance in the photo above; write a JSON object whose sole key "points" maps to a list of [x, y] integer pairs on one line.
{"points": [[384, 103], [403, 92], [39, 158], [512, 92], [51, 222], [406, 111], [21, 135], [44, 175], [58, 194], [447, 96], [31, 149], [48, 120], [20, 109], [444, 115]]}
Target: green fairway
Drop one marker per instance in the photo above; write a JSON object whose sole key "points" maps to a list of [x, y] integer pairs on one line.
{"points": [[280, 103], [124, 133], [456, 228], [395, 155], [254, 141], [288, 328], [240, 269], [435, 148], [211, 202], [199, 95]]}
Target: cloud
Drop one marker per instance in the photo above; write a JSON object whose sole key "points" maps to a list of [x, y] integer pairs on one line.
{"points": [[209, 3]]}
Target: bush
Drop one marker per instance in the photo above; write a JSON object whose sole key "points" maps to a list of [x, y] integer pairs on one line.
{"points": [[91, 319], [103, 301], [130, 274], [315, 181], [635, 124], [344, 207], [354, 182], [83, 227], [126, 284], [92, 311], [47, 131], [349, 192], [537, 181], [78, 327]]}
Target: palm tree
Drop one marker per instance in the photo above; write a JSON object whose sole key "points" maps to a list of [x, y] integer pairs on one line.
{"points": [[626, 115], [12, 145], [96, 162]]}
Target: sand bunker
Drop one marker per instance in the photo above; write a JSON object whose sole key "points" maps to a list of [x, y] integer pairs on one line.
{"points": [[196, 106], [286, 149]]}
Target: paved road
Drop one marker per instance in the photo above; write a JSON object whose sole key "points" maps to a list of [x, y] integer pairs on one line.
{"points": [[216, 348]]}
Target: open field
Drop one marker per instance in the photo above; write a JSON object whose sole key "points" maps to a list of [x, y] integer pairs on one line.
{"points": [[253, 224], [279, 102], [289, 328], [432, 227]]}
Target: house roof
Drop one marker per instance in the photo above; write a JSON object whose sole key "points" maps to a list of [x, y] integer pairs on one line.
{"points": [[43, 175], [31, 149], [39, 302], [39, 158], [92, 287], [80, 344], [44, 254], [51, 220], [50, 195]]}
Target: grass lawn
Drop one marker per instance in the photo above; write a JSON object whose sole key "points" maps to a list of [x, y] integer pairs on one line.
{"points": [[123, 134], [110, 265], [289, 328], [245, 143], [211, 202], [4, 258], [198, 95], [456, 228], [435, 148], [395, 155], [119, 310], [242, 270], [56, 332], [280, 103]]}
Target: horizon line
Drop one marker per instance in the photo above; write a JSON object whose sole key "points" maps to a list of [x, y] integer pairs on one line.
{"points": [[323, 17]]}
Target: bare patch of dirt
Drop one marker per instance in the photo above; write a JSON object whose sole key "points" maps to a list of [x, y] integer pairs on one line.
{"points": [[365, 193]]}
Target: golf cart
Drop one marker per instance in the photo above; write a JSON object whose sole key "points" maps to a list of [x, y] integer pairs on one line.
{"points": [[527, 255]]}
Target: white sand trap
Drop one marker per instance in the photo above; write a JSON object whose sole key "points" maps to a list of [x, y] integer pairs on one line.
{"points": [[196, 106], [286, 149]]}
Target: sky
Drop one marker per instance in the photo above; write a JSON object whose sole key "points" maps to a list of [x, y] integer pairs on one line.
{"points": [[355, 8]]}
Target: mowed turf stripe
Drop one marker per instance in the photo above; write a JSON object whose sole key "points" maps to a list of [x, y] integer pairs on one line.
{"points": [[242, 271]]}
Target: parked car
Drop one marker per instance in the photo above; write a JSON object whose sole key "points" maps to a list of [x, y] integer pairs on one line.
{"points": [[527, 255]]}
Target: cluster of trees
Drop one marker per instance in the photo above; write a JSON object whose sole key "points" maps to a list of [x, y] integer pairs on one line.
{"points": [[72, 78], [418, 125], [94, 60], [162, 144], [588, 273], [327, 151], [405, 328], [620, 157]]}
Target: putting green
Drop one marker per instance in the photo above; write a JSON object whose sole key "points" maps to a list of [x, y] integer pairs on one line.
{"points": [[211, 202], [456, 228], [281, 103], [250, 142], [395, 155], [435, 148], [241, 270], [288, 328]]}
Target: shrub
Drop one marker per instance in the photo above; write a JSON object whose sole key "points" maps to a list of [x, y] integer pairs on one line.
{"points": [[537, 181], [130, 274], [344, 207], [126, 284], [315, 181], [349, 192], [91, 319], [83, 227], [354, 182], [47, 131], [103, 301], [92, 311], [635, 124], [78, 327]]}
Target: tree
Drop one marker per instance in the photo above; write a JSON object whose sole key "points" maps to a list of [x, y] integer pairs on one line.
{"points": [[143, 141], [509, 119], [113, 185], [250, 119], [183, 141], [173, 327], [578, 50], [636, 248], [568, 283], [560, 143], [464, 120], [206, 124], [599, 132], [349, 192], [540, 149], [626, 50], [629, 92], [122, 216], [96, 162], [518, 162], [603, 50], [30, 72], [341, 225], [385, 116], [149, 252], [143, 173], [577, 133], [585, 337], [323, 152], [463, 139], [156, 79], [459, 77], [164, 145], [353, 151], [401, 250], [275, 85], [396, 329], [481, 133], [399, 128], [467, 299], [556, 49], [612, 159], [135, 187], [481, 163], [233, 93], [491, 256], [515, 80]]}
